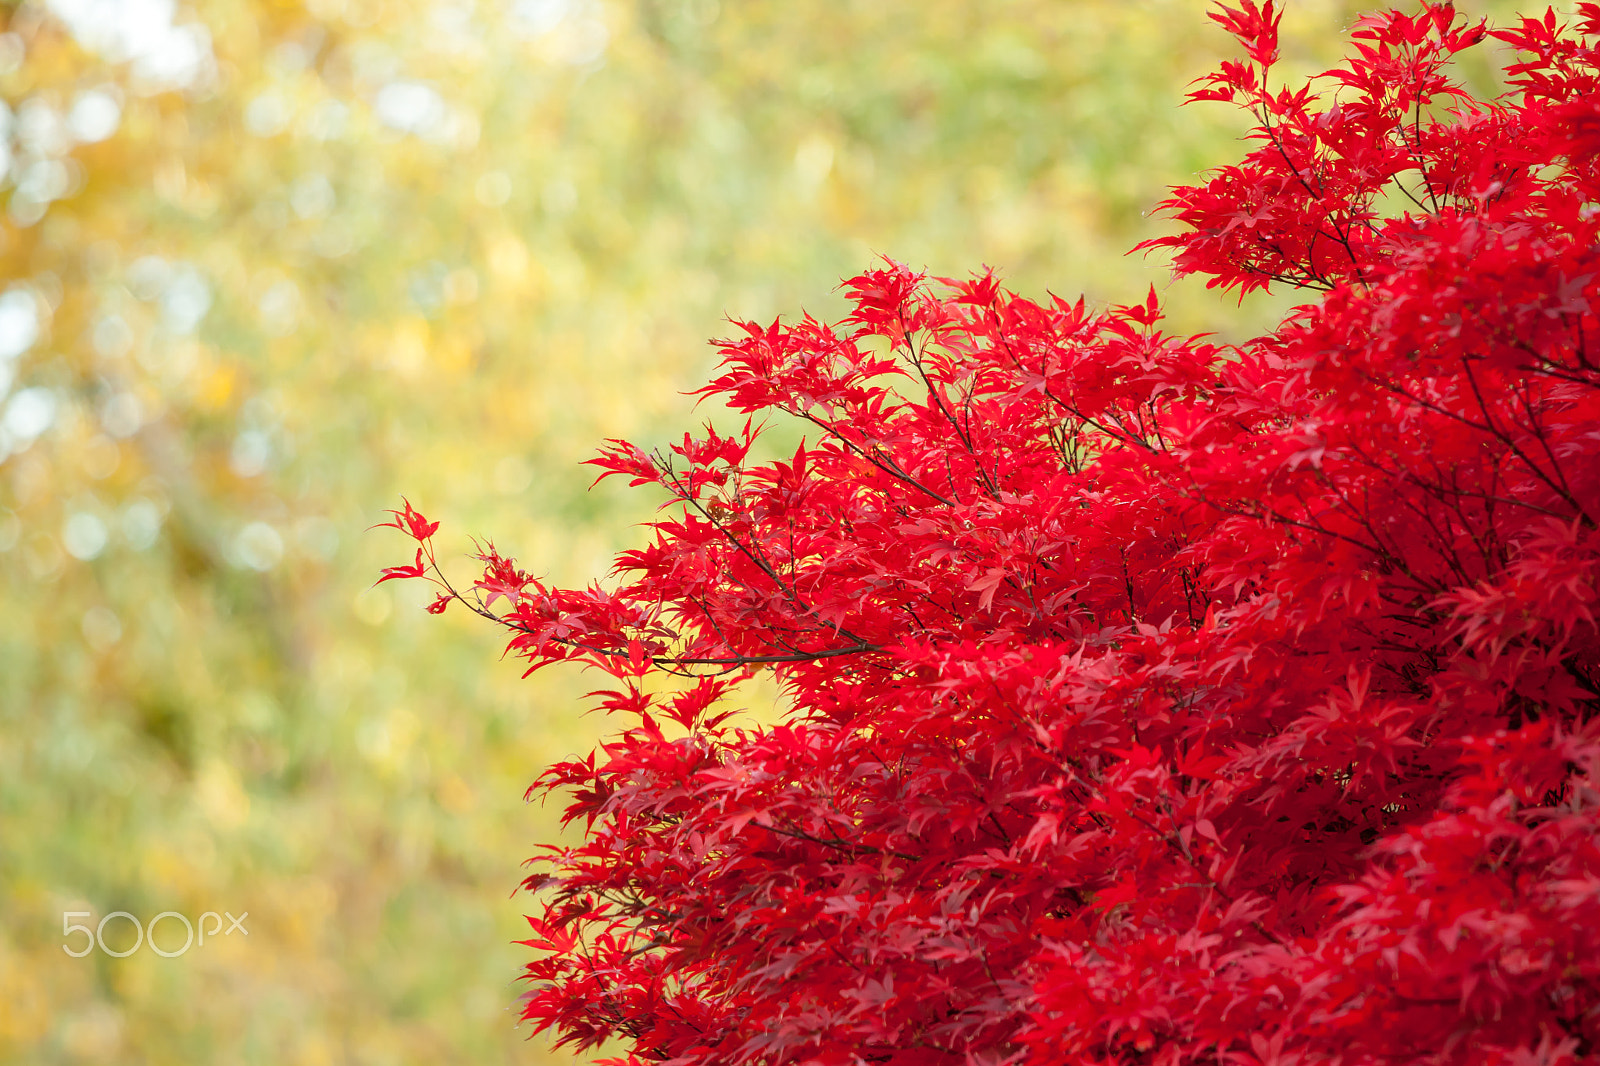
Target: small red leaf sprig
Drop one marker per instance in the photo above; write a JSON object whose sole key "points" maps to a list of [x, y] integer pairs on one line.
{"points": [[410, 522]]}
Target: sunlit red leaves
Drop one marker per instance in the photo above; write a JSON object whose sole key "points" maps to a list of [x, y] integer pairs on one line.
{"points": [[411, 523], [1304, 207], [1152, 703], [417, 569]]}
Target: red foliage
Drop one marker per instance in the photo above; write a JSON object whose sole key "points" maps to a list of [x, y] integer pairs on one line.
{"points": [[1154, 701]]}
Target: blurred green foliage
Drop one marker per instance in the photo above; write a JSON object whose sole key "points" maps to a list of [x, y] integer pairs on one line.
{"points": [[270, 264]]}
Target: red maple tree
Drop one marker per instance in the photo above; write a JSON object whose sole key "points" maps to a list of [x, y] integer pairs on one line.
{"points": [[1154, 701]]}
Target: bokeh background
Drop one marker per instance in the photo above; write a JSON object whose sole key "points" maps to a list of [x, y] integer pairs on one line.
{"points": [[265, 265]]}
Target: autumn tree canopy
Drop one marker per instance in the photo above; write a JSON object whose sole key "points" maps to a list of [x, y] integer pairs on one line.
{"points": [[1153, 700], [267, 264]]}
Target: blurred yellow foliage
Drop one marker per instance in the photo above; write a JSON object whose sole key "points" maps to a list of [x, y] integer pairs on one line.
{"points": [[270, 263]]}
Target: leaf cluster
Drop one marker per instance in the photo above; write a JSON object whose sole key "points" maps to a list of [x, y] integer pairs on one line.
{"points": [[1153, 701]]}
